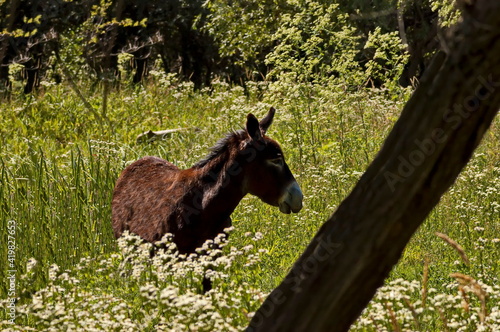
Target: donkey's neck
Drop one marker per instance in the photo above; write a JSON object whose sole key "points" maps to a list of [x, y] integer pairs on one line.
{"points": [[223, 187], [221, 181]]}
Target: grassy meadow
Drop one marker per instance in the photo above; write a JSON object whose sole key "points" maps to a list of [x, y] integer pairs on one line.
{"points": [[59, 161]]}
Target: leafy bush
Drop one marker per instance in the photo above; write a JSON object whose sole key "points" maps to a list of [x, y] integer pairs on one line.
{"points": [[388, 60], [314, 42], [243, 32], [448, 11], [238, 41]]}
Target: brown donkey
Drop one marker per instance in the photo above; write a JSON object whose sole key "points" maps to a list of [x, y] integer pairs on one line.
{"points": [[153, 197]]}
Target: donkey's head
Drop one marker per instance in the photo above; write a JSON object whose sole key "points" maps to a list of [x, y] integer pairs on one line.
{"points": [[268, 176]]}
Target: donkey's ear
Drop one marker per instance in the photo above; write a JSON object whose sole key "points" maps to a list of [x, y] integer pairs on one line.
{"points": [[268, 119], [253, 127]]}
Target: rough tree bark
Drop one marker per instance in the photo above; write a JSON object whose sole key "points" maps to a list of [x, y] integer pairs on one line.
{"points": [[435, 136]]}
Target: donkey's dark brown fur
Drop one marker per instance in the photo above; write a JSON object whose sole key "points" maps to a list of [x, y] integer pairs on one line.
{"points": [[153, 197]]}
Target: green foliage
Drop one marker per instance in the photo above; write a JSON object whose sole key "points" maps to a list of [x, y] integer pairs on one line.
{"points": [[389, 57], [303, 40], [448, 11], [313, 42], [243, 30]]}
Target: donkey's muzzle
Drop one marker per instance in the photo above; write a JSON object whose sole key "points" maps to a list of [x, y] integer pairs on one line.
{"points": [[292, 199]]}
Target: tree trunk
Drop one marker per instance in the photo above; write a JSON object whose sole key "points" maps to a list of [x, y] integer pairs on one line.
{"points": [[435, 136]]}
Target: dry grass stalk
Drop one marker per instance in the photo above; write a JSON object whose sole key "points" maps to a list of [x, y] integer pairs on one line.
{"points": [[465, 298], [374, 322], [443, 318], [458, 248], [467, 283], [392, 315], [413, 313]]}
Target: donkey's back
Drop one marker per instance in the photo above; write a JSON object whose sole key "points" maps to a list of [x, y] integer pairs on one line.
{"points": [[143, 198]]}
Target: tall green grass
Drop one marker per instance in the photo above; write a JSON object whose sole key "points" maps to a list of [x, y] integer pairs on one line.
{"points": [[58, 166], [60, 207]]}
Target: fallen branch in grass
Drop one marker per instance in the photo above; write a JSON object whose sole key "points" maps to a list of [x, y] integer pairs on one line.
{"points": [[149, 136]]}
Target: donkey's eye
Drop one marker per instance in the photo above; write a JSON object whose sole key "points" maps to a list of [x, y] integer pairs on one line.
{"points": [[277, 161]]}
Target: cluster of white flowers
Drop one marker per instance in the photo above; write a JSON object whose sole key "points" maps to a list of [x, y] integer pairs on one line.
{"points": [[136, 290], [105, 148], [402, 306]]}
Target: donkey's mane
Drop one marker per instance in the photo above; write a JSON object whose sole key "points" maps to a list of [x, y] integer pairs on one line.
{"points": [[221, 147]]}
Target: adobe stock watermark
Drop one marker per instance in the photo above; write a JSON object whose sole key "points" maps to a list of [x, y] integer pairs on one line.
{"points": [[11, 271], [426, 147]]}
